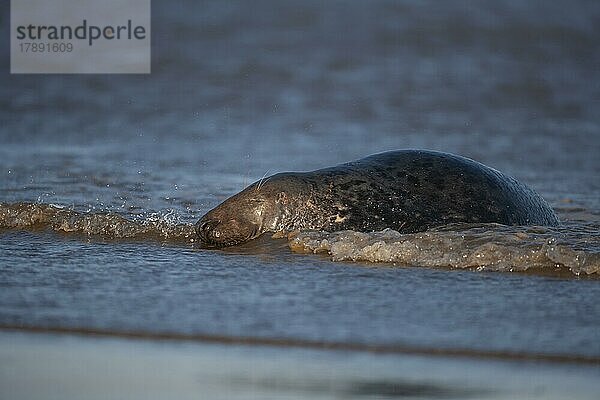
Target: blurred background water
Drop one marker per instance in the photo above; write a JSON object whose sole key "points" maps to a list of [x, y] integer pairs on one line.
{"points": [[242, 89]]}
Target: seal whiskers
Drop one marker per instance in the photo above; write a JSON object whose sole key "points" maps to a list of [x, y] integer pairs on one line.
{"points": [[262, 180]]}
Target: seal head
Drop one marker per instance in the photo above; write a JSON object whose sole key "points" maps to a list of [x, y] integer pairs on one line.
{"points": [[259, 208]]}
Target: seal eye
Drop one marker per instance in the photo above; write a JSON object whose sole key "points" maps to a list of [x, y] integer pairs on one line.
{"points": [[206, 228]]}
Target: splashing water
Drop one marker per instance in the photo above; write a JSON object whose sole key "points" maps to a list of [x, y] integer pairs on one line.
{"points": [[490, 247], [32, 216], [573, 248]]}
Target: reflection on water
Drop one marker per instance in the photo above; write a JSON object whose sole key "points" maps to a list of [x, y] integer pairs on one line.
{"points": [[367, 388]]}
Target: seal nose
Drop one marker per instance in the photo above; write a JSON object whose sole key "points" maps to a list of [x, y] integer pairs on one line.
{"points": [[205, 229]]}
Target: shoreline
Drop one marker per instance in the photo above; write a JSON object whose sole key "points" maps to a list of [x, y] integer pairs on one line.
{"points": [[66, 366], [397, 349]]}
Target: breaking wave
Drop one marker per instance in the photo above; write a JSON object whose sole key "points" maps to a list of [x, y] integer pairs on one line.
{"points": [[485, 247], [32, 216], [572, 248]]}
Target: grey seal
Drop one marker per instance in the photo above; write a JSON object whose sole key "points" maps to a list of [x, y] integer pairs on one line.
{"points": [[405, 190]]}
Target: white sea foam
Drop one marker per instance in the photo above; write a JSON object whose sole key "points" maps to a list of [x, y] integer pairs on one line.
{"points": [[573, 247], [492, 247]]}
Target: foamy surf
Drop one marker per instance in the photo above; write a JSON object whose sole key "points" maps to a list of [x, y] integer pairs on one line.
{"points": [[573, 247], [31, 216], [489, 247]]}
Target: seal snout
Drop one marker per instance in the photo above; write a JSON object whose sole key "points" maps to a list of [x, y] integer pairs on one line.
{"points": [[207, 232], [213, 232]]}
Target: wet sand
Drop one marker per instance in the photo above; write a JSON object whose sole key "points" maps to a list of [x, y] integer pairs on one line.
{"points": [[67, 366]]}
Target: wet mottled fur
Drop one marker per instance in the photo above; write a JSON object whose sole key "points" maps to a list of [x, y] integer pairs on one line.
{"points": [[406, 190]]}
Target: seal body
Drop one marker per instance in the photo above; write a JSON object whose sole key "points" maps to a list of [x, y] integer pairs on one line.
{"points": [[405, 190]]}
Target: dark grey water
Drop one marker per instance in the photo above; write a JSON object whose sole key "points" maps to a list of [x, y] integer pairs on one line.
{"points": [[146, 287], [240, 89]]}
